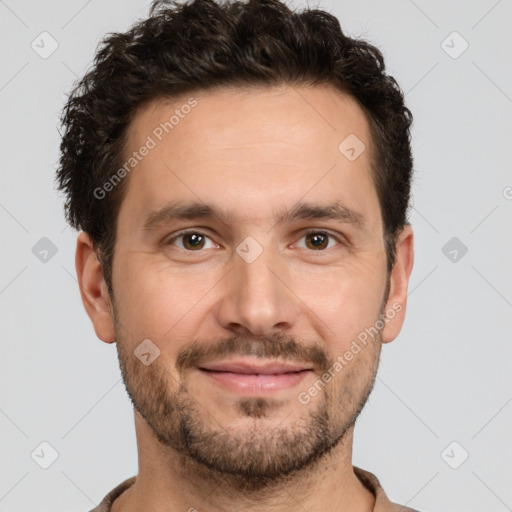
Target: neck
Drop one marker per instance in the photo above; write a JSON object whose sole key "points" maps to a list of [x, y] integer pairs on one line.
{"points": [[170, 481]]}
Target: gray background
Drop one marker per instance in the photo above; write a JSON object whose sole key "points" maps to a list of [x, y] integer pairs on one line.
{"points": [[446, 378]]}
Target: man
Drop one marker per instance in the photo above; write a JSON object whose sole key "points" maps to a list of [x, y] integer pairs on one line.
{"points": [[241, 176]]}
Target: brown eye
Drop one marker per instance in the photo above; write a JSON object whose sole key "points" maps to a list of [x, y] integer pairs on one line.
{"points": [[192, 241], [317, 241]]}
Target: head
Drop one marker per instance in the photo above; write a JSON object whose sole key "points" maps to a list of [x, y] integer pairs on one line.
{"points": [[241, 176]]}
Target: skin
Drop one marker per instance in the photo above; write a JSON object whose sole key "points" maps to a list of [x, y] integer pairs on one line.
{"points": [[255, 153]]}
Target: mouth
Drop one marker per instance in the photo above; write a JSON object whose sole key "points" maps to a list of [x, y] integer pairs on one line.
{"points": [[250, 378]]}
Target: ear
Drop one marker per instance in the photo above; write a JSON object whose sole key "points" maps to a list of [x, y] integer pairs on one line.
{"points": [[93, 289], [399, 281]]}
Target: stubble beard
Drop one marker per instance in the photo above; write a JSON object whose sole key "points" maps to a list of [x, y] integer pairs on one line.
{"points": [[267, 452]]}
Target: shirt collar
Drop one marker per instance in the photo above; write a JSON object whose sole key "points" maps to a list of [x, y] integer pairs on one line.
{"points": [[369, 480], [382, 502]]}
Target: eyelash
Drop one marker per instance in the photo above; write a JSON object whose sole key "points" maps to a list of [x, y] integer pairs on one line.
{"points": [[169, 241]]}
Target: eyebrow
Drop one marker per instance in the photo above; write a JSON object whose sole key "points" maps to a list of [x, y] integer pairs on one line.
{"points": [[179, 210]]}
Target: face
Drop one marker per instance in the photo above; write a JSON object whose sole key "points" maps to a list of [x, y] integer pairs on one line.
{"points": [[250, 258]]}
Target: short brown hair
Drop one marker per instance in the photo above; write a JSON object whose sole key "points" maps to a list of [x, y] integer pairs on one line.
{"points": [[199, 45]]}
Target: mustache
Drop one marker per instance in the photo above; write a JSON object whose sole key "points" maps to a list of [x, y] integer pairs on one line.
{"points": [[276, 345]]}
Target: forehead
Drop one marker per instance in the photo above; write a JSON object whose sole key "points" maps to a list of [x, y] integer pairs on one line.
{"points": [[250, 115], [252, 150]]}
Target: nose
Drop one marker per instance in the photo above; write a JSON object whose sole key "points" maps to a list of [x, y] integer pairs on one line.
{"points": [[257, 300]]}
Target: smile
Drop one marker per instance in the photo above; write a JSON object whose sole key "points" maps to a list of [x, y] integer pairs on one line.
{"points": [[255, 379]]}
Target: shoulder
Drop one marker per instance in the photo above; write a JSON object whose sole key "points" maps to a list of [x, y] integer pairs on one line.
{"points": [[106, 503], [382, 502]]}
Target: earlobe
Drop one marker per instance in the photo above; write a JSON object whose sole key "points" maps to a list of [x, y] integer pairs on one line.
{"points": [[93, 289], [399, 281]]}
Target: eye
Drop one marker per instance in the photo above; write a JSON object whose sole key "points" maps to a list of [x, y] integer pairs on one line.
{"points": [[192, 241], [318, 241]]}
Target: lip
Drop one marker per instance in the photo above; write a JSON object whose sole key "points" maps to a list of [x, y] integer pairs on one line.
{"points": [[253, 379], [247, 367]]}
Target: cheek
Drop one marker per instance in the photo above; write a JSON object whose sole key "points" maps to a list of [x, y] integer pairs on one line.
{"points": [[342, 301], [155, 301]]}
